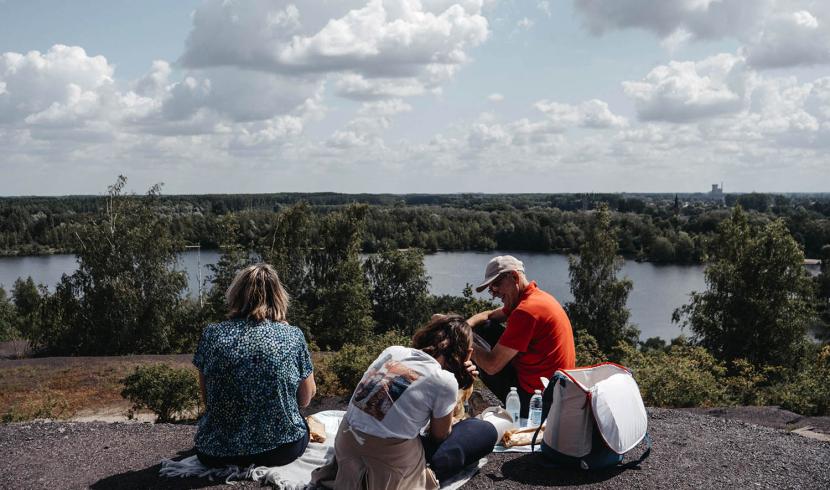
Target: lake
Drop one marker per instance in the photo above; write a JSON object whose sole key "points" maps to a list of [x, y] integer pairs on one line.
{"points": [[657, 291]]}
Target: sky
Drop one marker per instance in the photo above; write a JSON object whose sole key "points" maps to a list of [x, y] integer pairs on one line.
{"points": [[414, 96]]}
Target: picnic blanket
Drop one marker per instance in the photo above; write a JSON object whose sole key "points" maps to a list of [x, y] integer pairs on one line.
{"points": [[293, 476]]}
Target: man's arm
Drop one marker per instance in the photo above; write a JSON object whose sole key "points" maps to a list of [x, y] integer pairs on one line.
{"points": [[493, 361], [496, 315]]}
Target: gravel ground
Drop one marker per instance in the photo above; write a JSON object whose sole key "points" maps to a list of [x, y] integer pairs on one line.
{"points": [[690, 451]]}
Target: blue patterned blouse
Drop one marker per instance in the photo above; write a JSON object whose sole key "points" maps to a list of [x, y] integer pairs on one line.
{"points": [[252, 372]]}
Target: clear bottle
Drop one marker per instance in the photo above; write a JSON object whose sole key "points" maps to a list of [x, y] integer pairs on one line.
{"points": [[535, 415], [514, 406]]}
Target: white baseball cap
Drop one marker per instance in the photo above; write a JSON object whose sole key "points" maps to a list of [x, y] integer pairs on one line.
{"points": [[498, 265]]}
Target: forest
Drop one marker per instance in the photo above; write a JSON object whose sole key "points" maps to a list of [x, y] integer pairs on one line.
{"points": [[661, 228]]}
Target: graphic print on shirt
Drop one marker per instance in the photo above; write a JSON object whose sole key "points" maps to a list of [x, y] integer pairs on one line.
{"points": [[382, 385]]}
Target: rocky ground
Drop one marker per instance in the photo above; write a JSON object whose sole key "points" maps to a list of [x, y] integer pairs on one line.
{"points": [[691, 450]]}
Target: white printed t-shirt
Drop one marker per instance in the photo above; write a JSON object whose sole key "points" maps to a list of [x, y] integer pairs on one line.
{"points": [[399, 393]]}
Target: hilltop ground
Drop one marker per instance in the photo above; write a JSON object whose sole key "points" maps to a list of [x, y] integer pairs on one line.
{"points": [[690, 451], [736, 447]]}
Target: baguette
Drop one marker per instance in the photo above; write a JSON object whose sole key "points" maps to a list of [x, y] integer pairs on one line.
{"points": [[519, 437]]}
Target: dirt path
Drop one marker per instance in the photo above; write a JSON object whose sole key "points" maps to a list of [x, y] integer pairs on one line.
{"points": [[690, 451]]}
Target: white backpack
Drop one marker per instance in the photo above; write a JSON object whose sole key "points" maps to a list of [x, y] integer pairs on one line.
{"points": [[594, 415]]}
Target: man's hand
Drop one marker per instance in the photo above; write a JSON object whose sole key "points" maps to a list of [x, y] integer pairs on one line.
{"points": [[496, 315]]}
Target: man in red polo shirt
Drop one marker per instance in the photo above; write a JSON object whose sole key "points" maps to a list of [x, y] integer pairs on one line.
{"points": [[537, 340]]}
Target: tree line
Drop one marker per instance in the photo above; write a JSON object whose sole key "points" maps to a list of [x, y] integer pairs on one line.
{"points": [[747, 333], [663, 228]]}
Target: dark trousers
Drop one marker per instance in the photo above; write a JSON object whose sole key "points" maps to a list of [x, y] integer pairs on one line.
{"points": [[279, 456], [469, 441], [501, 382]]}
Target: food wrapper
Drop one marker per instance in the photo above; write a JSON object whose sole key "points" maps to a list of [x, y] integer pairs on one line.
{"points": [[316, 430]]}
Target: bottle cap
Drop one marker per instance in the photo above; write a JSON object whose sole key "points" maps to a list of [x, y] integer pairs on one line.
{"points": [[537, 392], [512, 388]]}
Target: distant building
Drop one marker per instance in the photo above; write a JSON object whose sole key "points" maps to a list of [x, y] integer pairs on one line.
{"points": [[716, 194]]}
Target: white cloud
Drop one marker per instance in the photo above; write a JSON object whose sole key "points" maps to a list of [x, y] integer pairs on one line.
{"points": [[590, 114], [61, 84], [774, 33], [702, 18], [366, 128], [355, 86], [675, 40], [495, 97], [545, 7], [524, 23], [684, 91], [384, 108], [792, 38], [371, 42]]}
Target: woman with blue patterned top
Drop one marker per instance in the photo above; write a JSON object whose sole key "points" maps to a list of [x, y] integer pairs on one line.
{"points": [[255, 373]]}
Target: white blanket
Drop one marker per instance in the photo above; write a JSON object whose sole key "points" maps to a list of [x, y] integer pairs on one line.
{"points": [[293, 476]]}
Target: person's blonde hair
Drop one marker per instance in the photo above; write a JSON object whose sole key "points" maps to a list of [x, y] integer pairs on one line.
{"points": [[256, 293]]}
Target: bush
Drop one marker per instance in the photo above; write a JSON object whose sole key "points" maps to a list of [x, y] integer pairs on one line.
{"points": [[588, 352], [682, 377], [749, 384], [809, 393], [351, 361], [165, 390]]}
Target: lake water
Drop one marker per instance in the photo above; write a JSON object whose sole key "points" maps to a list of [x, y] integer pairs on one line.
{"points": [[657, 291]]}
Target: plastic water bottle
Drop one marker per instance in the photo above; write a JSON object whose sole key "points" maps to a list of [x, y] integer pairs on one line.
{"points": [[535, 416], [513, 406]]}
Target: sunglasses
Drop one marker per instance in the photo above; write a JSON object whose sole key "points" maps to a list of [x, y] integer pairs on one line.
{"points": [[498, 280]]}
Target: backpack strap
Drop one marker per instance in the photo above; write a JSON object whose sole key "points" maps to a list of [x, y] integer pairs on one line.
{"points": [[547, 401], [646, 454]]}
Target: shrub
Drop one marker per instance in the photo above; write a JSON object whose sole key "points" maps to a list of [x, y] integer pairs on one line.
{"points": [[809, 393], [588, 352], [351, 361], [682, 377], [165, 390], [748, 384]]}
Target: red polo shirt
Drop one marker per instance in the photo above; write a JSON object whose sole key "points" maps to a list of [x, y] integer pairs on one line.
{"points": [[540, 330]]}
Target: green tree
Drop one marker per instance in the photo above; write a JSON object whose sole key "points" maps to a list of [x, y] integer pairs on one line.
{"points": [[662, 250], [234, 258], [125, 296], [399, 289], [287, 247], [27, 303], [823, 295], [599, 296], [465, 305], [8, 317], [335, 294], [757, 304]]}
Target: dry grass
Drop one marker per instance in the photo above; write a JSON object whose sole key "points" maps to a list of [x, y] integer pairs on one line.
{"points": [[63, 387]]}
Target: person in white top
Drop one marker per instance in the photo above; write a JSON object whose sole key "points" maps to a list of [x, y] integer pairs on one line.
{"points": [[400, 415]]}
